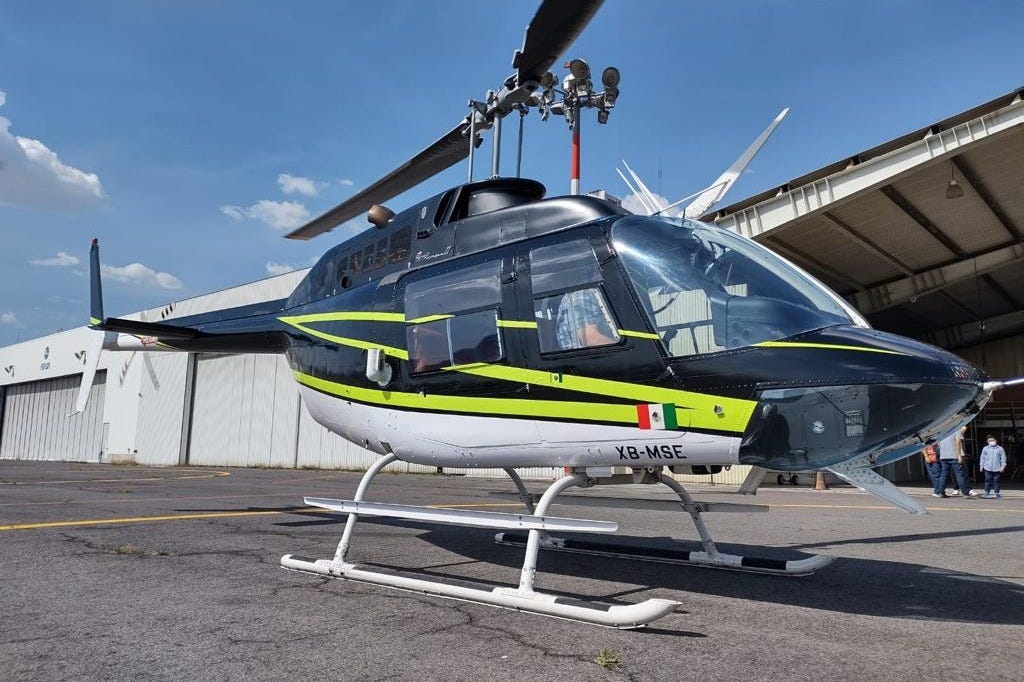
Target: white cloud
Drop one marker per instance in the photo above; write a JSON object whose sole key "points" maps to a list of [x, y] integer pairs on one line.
{"points": [[345, 182], [292, 184], [236, 212], [280, 215], [274, 268], [137, 273], [61, 260], [279, 268], [33, 176], [633, 204], [8, 317]]}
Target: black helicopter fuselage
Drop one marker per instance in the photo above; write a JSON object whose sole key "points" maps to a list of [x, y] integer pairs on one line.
{"points": [[701, 346]]}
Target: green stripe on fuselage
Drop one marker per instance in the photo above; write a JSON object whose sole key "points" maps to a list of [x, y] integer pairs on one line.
{"points": [[694, 410]]}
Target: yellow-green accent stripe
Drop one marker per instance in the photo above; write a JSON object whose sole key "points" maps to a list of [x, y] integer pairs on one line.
{"points": [[93, 320], [428, 318], [700, 407], [518, 324], [639, 335], [824, 346], [343, 340], [344, 316], [517, 407], [697, 409]]}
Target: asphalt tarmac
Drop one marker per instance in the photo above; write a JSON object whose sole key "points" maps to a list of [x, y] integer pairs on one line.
{"points": [[110, 573]]}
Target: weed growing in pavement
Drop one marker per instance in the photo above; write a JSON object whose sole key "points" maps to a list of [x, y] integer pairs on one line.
{"points": [[127, 549], [607, 659]]}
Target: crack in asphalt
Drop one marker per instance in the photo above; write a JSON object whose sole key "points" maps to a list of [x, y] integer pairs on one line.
{"points": [[468, 619]]}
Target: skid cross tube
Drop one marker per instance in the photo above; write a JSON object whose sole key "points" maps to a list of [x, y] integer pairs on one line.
{"points": [[521, 598], [711, 557]]}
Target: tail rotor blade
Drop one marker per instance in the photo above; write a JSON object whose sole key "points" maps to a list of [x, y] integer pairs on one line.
{"points": [[92, 361]]}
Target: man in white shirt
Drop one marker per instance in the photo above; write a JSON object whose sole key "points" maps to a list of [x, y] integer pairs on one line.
{"points": [[948, 458]]}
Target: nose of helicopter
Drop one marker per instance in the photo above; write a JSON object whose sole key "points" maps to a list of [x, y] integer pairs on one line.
{"points": [[885, 397]]}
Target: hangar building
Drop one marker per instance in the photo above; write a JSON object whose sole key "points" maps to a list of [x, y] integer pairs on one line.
{"points": [[924, 234]]}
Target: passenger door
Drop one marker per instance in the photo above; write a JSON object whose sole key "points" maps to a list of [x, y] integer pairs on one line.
{"points": [[579, 319]]}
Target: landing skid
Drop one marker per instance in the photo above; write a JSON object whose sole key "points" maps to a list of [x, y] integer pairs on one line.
{"points": [[536, 523], [609, 615], [682, 557]]}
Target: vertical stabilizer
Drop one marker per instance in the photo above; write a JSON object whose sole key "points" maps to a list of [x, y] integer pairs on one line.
{"points": [[95, 285]]}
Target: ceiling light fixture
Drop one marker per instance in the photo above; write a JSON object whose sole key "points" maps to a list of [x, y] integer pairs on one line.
{"points": [[953, 189]]}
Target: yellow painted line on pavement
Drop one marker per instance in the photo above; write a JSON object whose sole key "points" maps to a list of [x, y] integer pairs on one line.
{"points": [[205, 515], [493, 504], [890, 508], [150, 519], [216, 474], [140, 500]]}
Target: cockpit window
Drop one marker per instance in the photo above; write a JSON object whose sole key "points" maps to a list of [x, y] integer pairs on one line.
{"points": [[706, 289]]}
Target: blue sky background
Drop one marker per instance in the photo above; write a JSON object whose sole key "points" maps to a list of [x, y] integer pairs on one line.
{"points": [[182, 108]]}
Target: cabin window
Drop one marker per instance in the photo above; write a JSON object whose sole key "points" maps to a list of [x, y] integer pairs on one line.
{"points": [[382, 254], [321, 282], [368, 258], [464, 339], [442, 206], [706, 290], [467, 288], [452, 318], [570, 309], [401, 241], [355, 264]]}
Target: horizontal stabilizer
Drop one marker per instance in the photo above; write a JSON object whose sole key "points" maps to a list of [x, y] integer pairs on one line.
{"points": [[163, 331]]}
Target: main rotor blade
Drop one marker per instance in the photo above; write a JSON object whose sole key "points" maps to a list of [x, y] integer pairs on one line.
{"points": [[451, 148], [553, 29]]}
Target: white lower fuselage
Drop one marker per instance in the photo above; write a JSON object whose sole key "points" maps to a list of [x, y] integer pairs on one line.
{"points": [[448, 440]]}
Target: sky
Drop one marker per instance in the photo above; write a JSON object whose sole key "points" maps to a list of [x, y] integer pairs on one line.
{"points": [[190, 136]]}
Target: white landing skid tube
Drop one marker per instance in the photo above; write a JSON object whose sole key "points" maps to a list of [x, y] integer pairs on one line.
{"points": [[523, 598], [709, 558]]}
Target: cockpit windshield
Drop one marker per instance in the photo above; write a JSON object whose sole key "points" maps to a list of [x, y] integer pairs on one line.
{"points": [[706, 289]]}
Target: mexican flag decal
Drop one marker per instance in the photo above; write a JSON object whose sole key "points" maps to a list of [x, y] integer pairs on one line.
{"points": [[662, 417]]}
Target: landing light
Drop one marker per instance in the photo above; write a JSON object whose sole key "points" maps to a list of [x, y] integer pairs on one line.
{"points": [[610, 77], [579, 69]]}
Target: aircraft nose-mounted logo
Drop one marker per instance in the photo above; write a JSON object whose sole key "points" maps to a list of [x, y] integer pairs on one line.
{"points": [[818, 427]]}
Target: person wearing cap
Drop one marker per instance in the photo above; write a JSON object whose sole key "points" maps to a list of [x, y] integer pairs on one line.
{"points": [[992, 462]]}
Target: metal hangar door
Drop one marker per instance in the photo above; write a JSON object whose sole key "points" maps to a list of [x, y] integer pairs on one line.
{"points": [[245, 412], [36, 424]]}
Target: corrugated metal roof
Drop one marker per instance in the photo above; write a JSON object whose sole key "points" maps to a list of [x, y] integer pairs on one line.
{"points": [[879, 228]]}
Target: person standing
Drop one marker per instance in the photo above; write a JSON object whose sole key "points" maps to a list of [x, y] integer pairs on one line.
{"points": [[949, 461], [931, 463], [992, 462], [965, 458]]}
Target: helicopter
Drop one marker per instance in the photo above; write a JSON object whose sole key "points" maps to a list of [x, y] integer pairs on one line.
{"points": [[489, 326]]}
